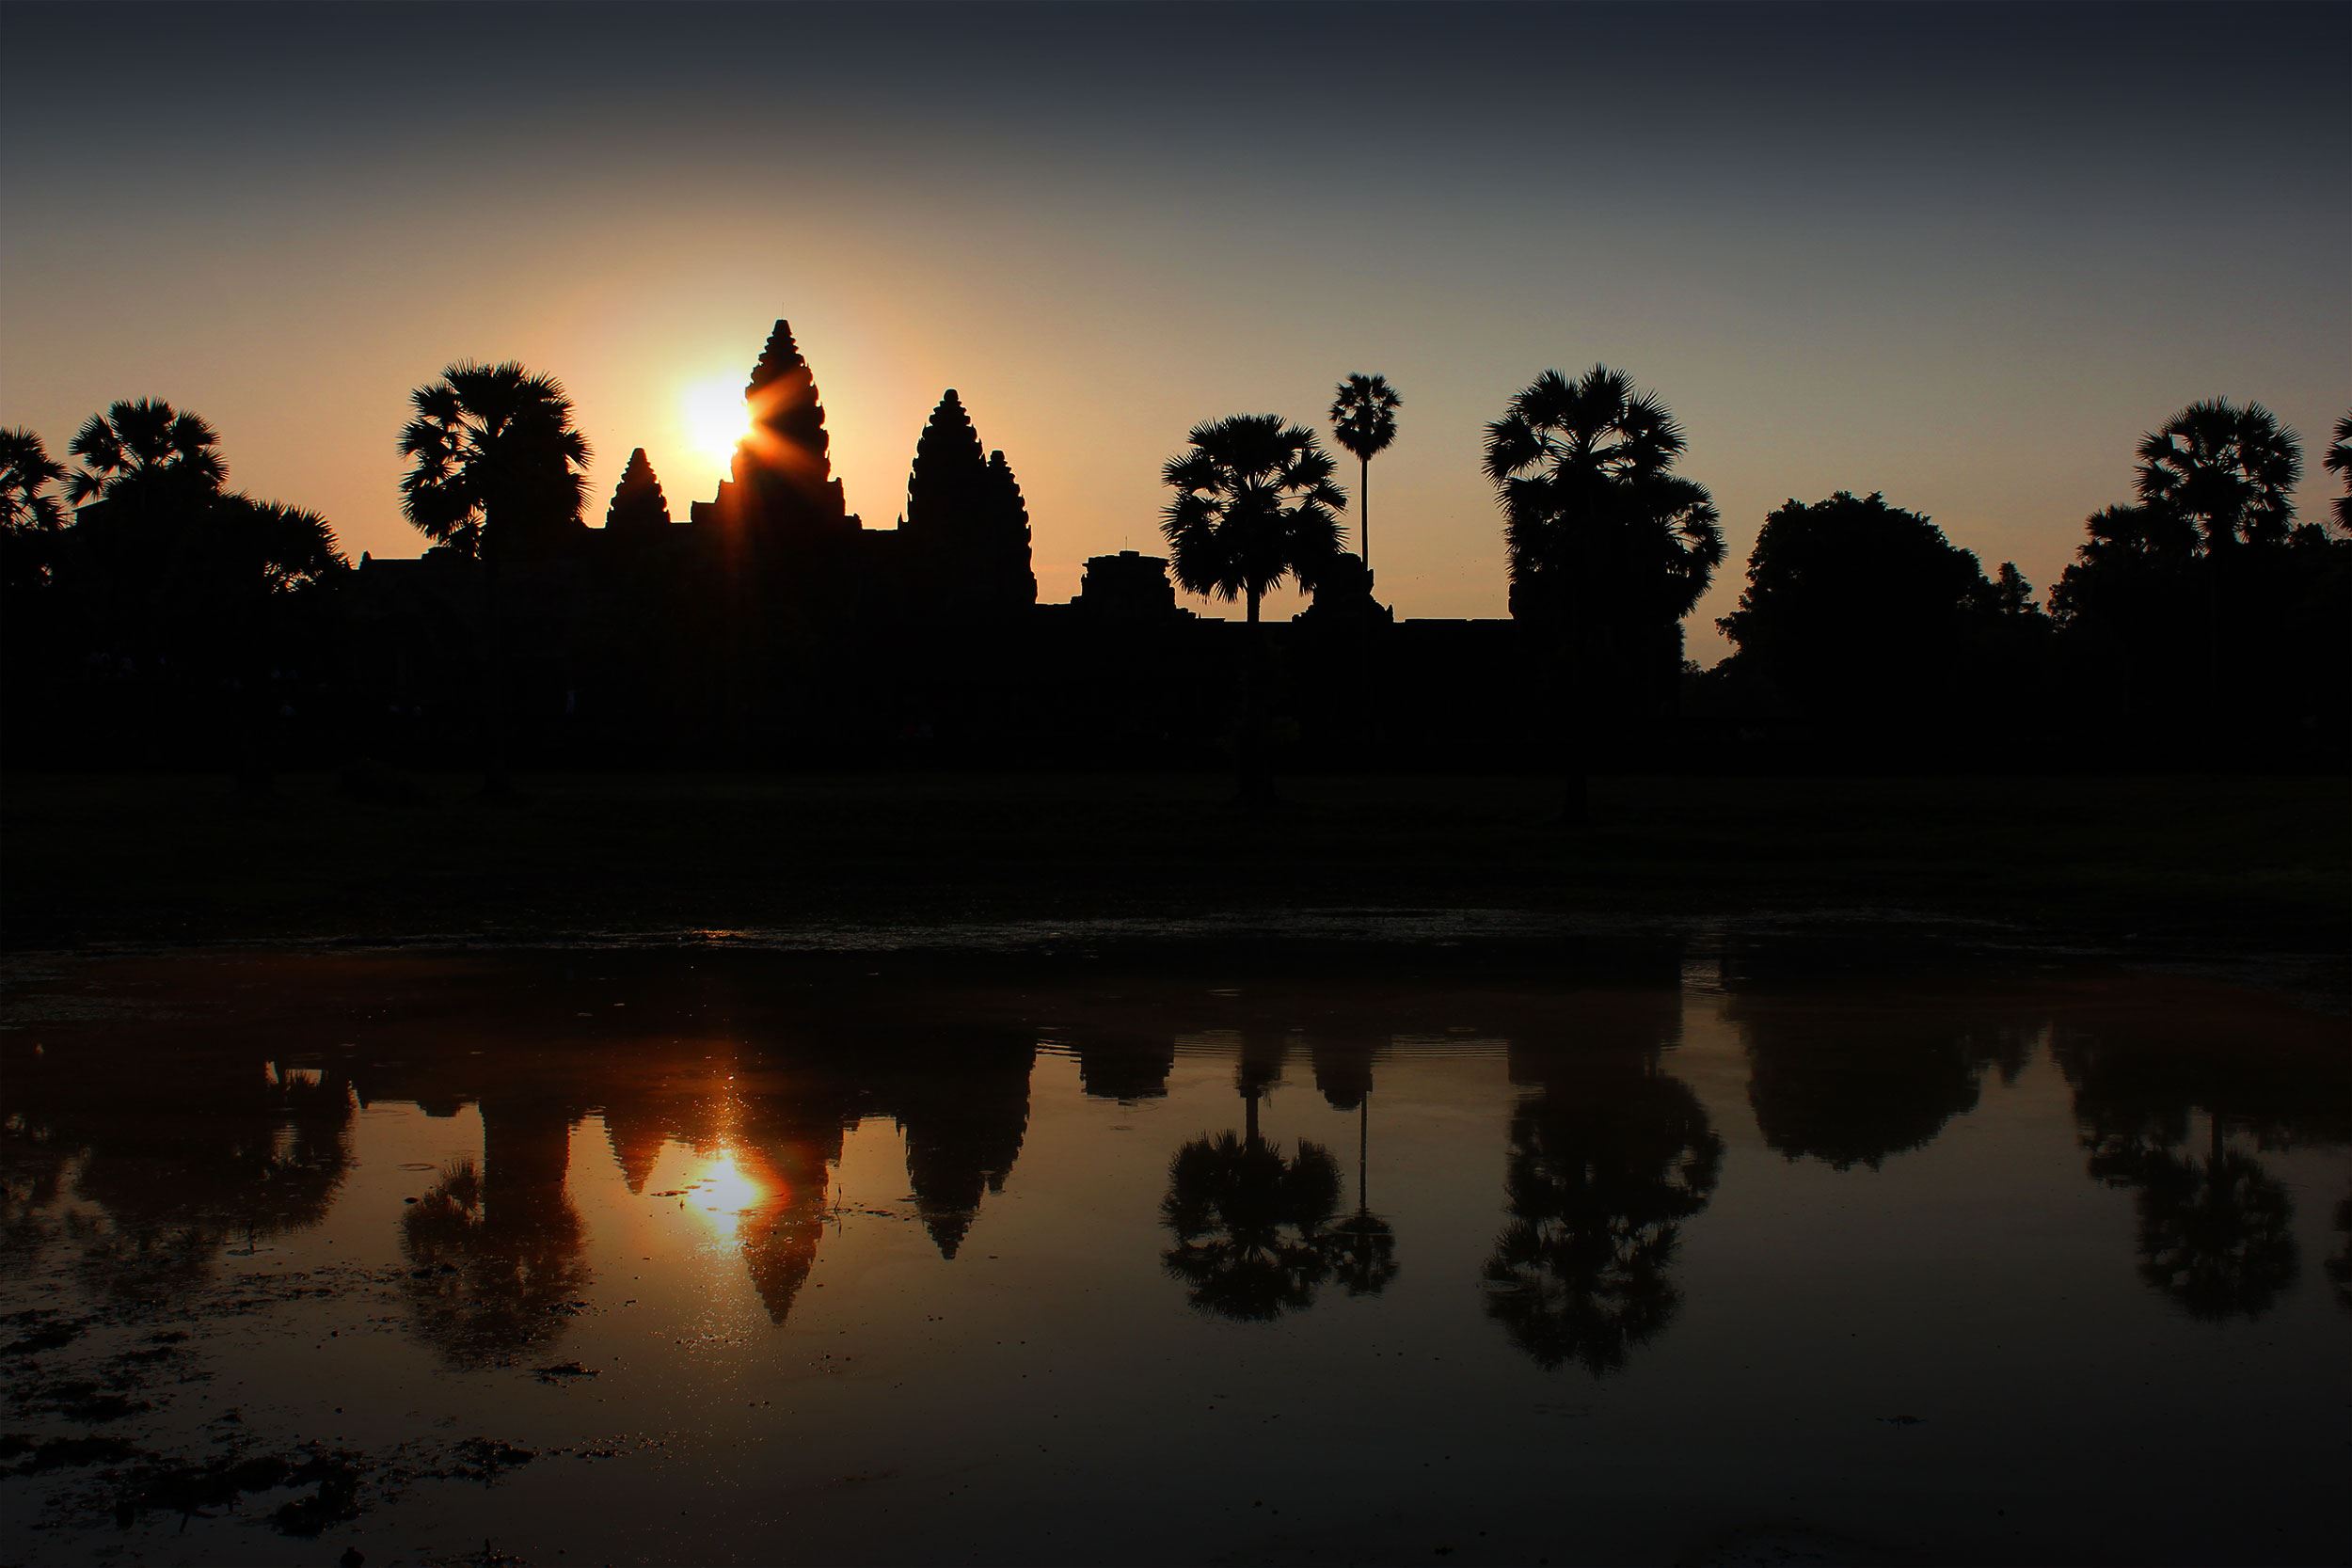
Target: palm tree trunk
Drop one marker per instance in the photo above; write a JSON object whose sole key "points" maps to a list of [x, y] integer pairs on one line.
{"points": [[1363, 1150], [1255, 781], [1250, 1118], [496, 784], [1363, 648], [1363, 515]]}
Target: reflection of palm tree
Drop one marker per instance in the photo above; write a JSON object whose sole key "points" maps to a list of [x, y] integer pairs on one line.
{"points": [[495, 1246], [1249, 1225], [1601, 1178], [212, 1154], [2215, 1235], [2215, 1232], [1364, 1248]]}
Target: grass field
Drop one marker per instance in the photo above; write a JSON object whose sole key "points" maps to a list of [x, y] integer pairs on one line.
{"points": [[2223, 863]]}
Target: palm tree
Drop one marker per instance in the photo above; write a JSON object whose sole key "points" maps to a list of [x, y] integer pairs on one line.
{"points": [[1247, 1223], [1605, 1166], [25, 475], [30, 514], [1364, 419], [149, 473], [137, 443], [1609, 547], [497, 470], [2230, 472], [1254, 504], [2339, 461]]}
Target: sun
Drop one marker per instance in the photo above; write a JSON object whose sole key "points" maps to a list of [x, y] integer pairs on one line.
{"points": [[716, 417]]}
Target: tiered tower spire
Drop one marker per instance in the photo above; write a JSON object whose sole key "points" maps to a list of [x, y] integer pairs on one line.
{"points": [[638, 508], [966, 523]]}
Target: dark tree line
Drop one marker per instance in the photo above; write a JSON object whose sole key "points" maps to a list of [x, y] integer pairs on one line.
{"points": [[2200, 622]]}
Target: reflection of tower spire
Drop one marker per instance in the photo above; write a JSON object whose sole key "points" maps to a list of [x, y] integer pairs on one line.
{"points": [[637, 1141], [779, 1235], [963, 1124]]}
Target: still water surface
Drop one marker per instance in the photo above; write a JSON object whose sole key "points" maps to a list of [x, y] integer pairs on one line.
{"points": [[1680, 1256]]}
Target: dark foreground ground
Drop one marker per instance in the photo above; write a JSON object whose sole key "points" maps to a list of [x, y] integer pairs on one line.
{"points": [[2222, 865]]}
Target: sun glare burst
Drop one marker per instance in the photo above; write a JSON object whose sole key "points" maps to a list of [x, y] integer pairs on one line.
{"points": [[716, 417], [723, 1190]]}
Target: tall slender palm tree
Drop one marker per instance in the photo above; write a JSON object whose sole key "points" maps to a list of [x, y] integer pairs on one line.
{"points": [[1364, 419], [1254, 503], [2229, 470], [1609, 547], [497, 470]]}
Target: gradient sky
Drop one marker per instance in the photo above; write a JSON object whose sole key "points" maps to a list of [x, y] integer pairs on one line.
{"points": [[1961, 254]]}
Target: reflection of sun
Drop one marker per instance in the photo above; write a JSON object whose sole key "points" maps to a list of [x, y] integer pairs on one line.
{"points": [[716, 417], [723, 1191]]}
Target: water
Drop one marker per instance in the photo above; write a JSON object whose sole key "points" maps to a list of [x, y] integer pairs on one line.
{"points": [[1676, 1256]]}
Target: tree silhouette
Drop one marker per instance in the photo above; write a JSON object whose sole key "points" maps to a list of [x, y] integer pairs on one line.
{"points": [[1254, 504], [30, 513], [2216, 1235], [198, 592], [639, 510], [203, 1151], [2211, 544], [1606, 1162], [150, 474], [1852, 605], [1249, 1225], [496, 1253], [2339, 461], [2215, 1232], [140, 443], [495, 471], [2228, 471], [1609, 547], [1364, 419], [26, 474]]}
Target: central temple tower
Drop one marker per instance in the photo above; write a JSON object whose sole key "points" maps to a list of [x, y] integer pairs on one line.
{"points": [[782, 492]]}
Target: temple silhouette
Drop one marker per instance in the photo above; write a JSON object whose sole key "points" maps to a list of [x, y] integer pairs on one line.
{"points": [[770, 622]]}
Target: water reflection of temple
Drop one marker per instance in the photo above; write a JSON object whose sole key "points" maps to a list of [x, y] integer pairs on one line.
{"points": [[767, 1122], [141, 1181]]}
